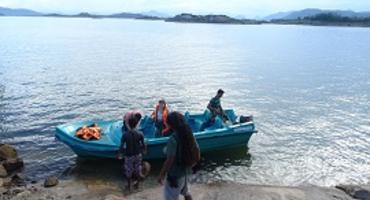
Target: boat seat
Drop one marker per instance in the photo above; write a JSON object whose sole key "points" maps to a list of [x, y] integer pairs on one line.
{"points": [[194, 124], [114, 132], [231, 115], [187, 115], [206, 115], [147, 127], [218, 124]]}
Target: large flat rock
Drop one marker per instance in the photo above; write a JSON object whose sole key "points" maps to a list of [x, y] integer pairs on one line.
{"points": [[92, 190], [234, 191], [7, 152]]}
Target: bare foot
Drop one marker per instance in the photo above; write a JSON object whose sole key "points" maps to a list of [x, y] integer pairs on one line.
{"points": [[128, 188], [136, 185]]}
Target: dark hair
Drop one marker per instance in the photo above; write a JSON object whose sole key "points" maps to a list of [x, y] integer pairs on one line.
{"points": [[137, 117], [178, 124], [220, 91], [132, 121]]}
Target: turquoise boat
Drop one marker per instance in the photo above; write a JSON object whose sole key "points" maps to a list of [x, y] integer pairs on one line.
{"points": [[218, 136]]}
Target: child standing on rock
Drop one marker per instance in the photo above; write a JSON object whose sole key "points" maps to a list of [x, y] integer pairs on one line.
{"points": [[132, 146]]}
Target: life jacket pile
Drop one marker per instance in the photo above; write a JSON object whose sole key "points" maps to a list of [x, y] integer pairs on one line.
{"points": [[92, 132]]}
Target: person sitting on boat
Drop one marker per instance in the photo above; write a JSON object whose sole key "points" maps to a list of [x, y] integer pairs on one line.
{"points": [[132, 146], [160, 116], [135, 113], [214, 106]]}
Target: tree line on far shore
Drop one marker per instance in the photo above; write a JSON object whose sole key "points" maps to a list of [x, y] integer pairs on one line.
{"points": [[333, 17]]}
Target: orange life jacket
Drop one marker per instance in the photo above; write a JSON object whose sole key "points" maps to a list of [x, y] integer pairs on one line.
{"points": [[165, 113], [89, 133]]}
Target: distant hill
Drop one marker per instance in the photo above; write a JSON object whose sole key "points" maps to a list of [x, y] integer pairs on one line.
{"points": [[279, 15], [331, 17], [88, 15], [240, 17], [18, 12], [292, 15], [27, 12], [126, 15], [80, 15], [153, 13], [190, 18], [215, 19]]}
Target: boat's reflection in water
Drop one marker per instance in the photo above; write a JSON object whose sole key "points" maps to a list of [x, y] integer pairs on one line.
{"points": [[211, 167], [217, 165]]}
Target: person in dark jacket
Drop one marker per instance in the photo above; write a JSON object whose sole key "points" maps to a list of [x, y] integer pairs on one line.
{"points": [[126, 117], [132, 146], [214, 106]]}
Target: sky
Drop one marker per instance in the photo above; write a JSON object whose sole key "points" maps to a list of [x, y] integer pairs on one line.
{"points": [[247, 8]]}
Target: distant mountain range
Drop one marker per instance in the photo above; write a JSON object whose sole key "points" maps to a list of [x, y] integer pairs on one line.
{"points": [[309, 16], [292, 15], [153, 13], [27, 12], [18, 12]]}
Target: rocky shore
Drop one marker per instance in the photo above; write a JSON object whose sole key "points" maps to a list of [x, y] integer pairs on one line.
{"points": [[13, 186], [11, 167], [76, 189]]}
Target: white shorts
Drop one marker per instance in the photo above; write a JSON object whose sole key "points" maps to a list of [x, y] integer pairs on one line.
{"points": [[173, 193]]}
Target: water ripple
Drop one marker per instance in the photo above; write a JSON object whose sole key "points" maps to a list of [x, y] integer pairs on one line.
{"points": [[311, 109]]}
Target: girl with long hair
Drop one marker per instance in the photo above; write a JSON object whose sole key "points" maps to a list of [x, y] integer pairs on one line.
{"points": [[182, 154]]}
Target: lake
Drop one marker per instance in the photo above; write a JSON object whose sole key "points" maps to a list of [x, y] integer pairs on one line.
{"points": [[307, 87]]}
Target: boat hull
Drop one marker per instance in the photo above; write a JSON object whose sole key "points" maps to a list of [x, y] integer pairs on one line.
{"points": [[208, 140]]}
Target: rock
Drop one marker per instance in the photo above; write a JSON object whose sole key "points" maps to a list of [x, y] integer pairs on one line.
{"points": [[17, 191], [349, 189], [2, 192], [33, 189], [51, 181], [362, 194], [14, 164], [18, 176], [7, 152], [7, 193], [113, 197], [356, 192], [7, 182], [23, 195], [146, 169], [15, 180], [3, 172], [18, 180]]}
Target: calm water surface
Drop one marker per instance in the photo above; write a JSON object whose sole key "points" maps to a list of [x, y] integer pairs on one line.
{"points": [[308, 88]]}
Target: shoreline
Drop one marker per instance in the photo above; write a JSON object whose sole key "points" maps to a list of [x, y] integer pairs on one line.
{"points": [[15, 186], [82, 189], [246, 23]]}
